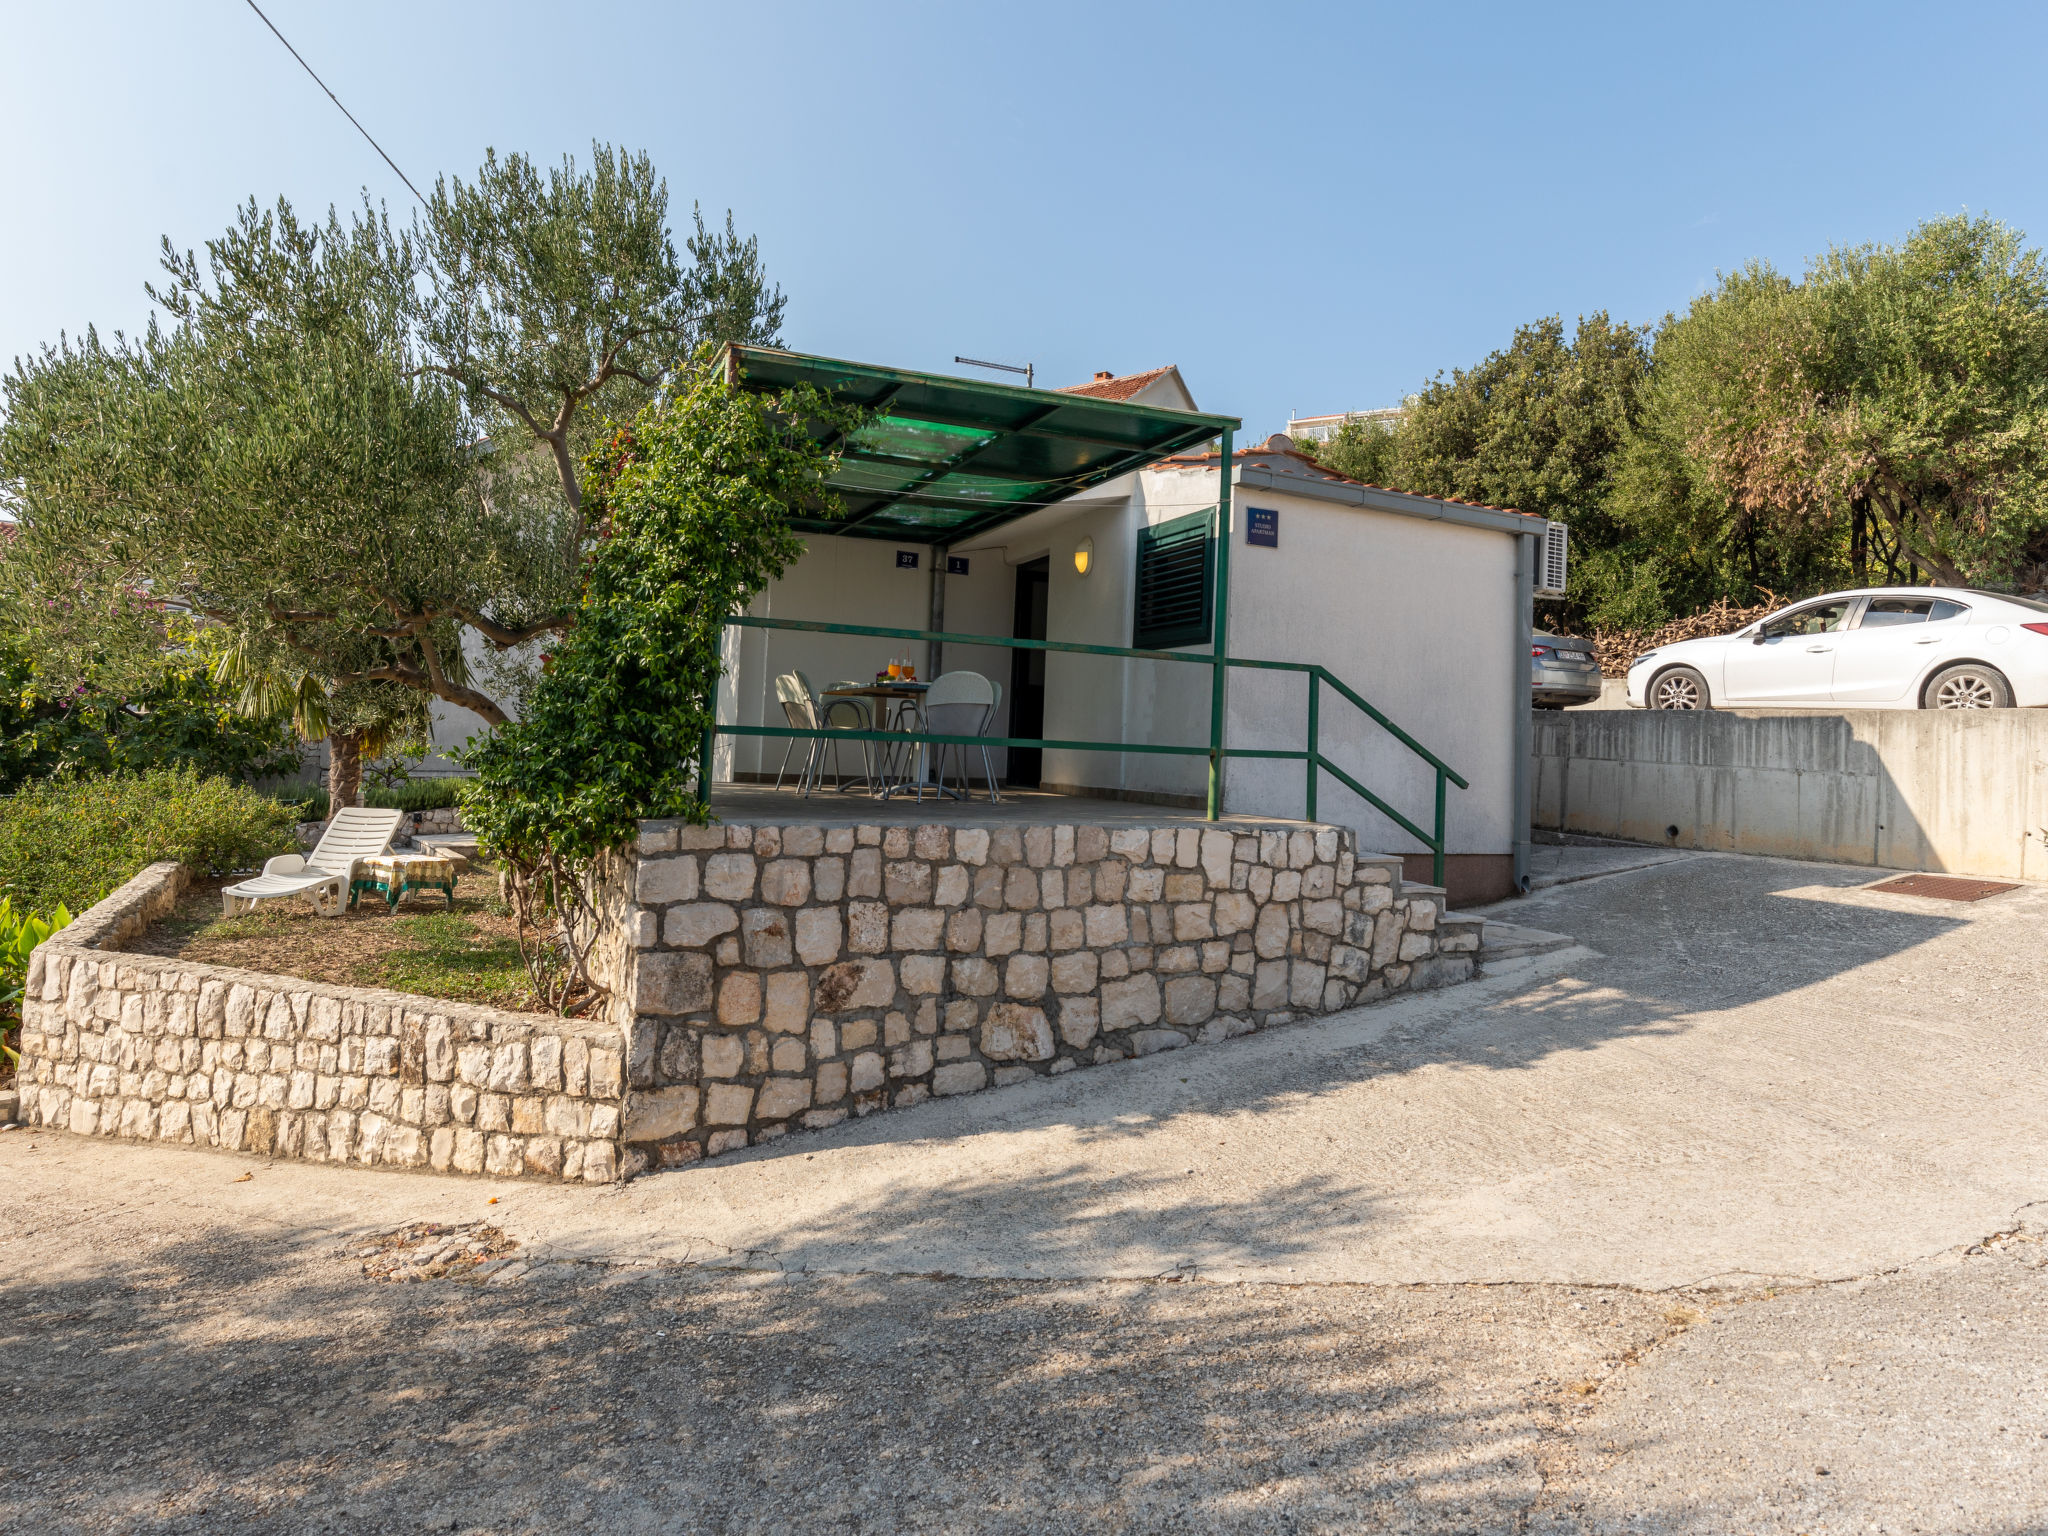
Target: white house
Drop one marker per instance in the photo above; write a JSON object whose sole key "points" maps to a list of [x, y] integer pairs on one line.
{"points": [[1087, 517]]}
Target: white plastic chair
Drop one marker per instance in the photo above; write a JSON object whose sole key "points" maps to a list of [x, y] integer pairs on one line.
{"points": [[800, 711], [961, 704], [850, 715], [357, 832]]}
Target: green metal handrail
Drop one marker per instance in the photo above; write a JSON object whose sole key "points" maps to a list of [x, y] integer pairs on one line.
{"points": [[1311, 755]]}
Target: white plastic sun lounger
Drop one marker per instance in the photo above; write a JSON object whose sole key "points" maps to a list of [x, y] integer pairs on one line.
{"points": [[357, 832]]}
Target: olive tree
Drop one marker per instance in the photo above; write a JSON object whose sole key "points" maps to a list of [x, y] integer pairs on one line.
{"points": [[558, 300], [355, 445]]}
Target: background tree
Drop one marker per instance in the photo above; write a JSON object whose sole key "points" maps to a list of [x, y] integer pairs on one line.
{"points": [[1928, 400], [330, 446], [275, 461], [360, 721], [1365, 448], [1535, 426], [1884, 419], [176, 717], [1717, 476]]}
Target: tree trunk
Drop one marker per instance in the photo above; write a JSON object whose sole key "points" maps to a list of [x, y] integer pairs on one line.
{"points": [[1904, 520], [344, 770], [1859, 541]]}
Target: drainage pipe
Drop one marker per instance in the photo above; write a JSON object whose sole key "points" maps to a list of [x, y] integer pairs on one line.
{"points": [[1523, 703]]}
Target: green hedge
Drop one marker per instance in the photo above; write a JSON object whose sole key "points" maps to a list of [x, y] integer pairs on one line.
{"points": [[75, 840], [310, 804], [414, 795], [305, 804]]}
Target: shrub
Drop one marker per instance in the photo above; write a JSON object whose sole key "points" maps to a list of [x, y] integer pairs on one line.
{"points": [[305, 803], [20, 933], [415, 795], [176, 716], [73, 841]]}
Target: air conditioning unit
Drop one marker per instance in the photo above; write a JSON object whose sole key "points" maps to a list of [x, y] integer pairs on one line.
{"points": [[1551, 558]]}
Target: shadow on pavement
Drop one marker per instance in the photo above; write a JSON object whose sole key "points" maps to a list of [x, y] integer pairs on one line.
{"points": [[227, 1384]]}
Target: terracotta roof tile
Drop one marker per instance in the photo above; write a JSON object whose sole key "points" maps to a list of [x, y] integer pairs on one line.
{"points": [[1116, 389]]}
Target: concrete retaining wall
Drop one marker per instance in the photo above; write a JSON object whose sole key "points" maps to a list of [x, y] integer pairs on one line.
{"points": [[1965, 791]]}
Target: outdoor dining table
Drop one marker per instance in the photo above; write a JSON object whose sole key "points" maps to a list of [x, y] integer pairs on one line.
{"points": [[392, 875], [897, 697]]}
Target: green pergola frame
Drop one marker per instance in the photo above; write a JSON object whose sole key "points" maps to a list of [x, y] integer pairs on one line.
{"points": [[948, 459]]}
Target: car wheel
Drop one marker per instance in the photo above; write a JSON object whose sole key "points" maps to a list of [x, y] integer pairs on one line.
{"points": [[1679, 688], [1969, 686]]}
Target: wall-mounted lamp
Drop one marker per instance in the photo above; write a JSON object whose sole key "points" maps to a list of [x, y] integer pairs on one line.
{"points": [[1084, 556]]}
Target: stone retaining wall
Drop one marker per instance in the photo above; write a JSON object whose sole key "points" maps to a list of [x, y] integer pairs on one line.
{"points": [[140, 1046], [772, 978], [443, 818], [764, 979]]}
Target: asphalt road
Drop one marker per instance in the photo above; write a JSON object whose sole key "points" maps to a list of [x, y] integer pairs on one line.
{"points": [[1720, 1223]]}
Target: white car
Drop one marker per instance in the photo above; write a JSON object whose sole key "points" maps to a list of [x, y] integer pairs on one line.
{"points": [[1882, 648]]}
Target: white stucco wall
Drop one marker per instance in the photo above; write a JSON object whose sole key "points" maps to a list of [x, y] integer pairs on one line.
{"points": [[1420, 618], [852, 581], [1417, 615]]}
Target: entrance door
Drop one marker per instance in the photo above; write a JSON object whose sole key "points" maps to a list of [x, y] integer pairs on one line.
{"points": [[1027, 671]]}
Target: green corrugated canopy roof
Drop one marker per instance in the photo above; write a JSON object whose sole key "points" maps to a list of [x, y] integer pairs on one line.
{"points": [[948, 459]]}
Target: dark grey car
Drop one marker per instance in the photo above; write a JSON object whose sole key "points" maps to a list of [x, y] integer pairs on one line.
{"points": [[1562, 671]]}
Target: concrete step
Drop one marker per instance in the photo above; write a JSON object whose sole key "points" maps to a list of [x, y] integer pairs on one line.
{"points": [[460, 846], [1460, 933], [1508, 941]]}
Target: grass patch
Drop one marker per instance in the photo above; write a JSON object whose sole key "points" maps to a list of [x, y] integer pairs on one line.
{"points": [[468, 954], [447, 954]]}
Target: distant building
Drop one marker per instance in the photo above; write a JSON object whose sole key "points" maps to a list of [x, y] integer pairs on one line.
{"points": [[1156, 386], [1316, 428]]}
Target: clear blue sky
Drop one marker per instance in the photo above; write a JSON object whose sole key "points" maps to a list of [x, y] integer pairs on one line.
{"points": [[1309, 208]]}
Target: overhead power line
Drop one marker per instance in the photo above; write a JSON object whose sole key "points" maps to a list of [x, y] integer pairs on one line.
{"points": [[415, 191]]}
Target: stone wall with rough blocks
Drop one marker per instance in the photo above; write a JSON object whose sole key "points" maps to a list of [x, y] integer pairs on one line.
{"points": [[785, 977], [443, 818], [140, 1046]]}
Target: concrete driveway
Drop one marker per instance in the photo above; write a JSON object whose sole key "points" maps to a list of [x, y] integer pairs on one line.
{"points": [[1752, 1070], [1717, 1222]]}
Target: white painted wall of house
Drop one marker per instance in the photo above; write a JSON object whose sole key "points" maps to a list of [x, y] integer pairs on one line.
{"points": [[1416, 615], [852, 581]]}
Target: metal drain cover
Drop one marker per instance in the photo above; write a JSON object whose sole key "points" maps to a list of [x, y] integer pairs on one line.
{"points": [[1946, 887]]}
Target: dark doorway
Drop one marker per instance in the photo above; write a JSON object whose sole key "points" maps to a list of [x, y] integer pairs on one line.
{"points": [[1027, 671]]}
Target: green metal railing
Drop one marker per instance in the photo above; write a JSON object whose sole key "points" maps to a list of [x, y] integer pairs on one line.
{"points": [[1310, 755]]}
